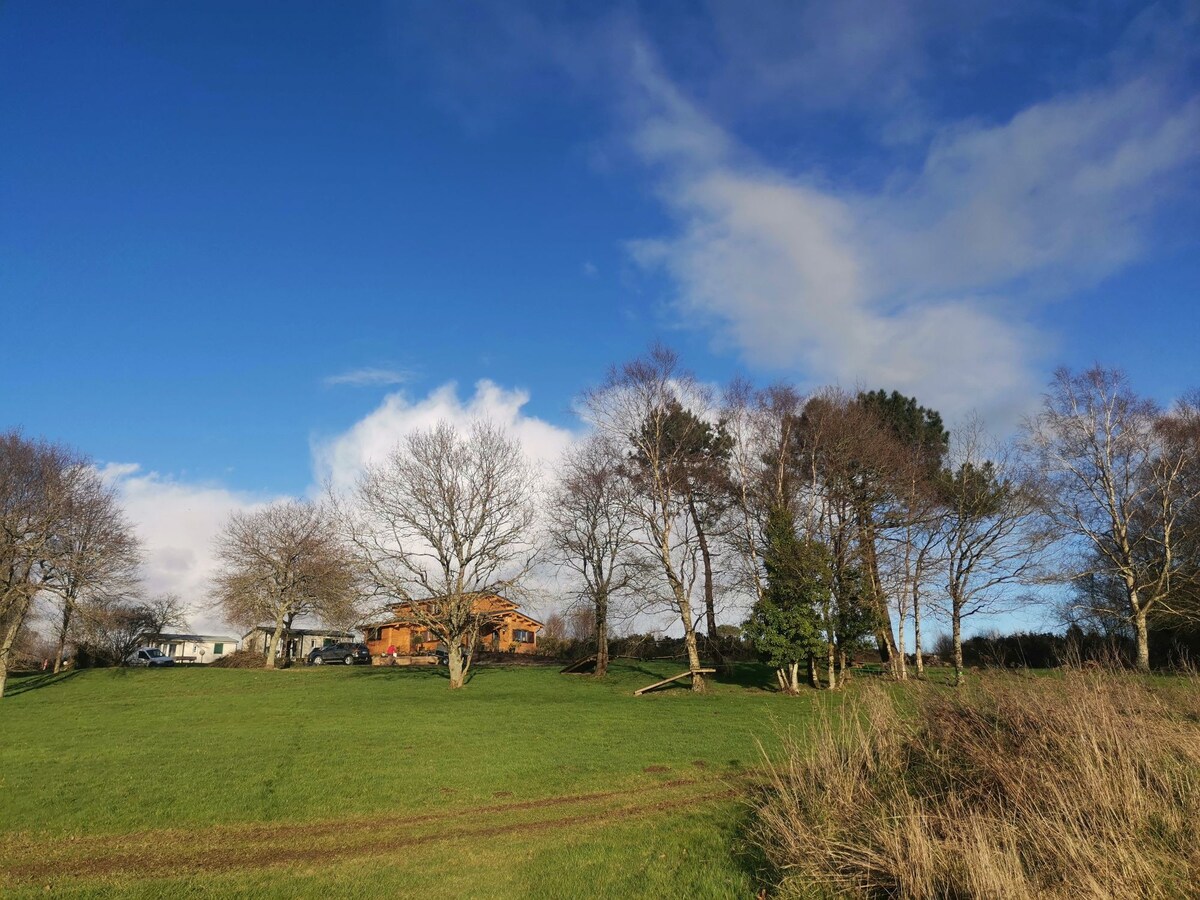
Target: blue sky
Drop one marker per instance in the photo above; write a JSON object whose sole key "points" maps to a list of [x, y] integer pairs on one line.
{"points": [[245, 245]]}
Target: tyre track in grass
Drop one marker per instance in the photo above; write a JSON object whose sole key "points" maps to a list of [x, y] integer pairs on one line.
{"points": [[226, 848]]}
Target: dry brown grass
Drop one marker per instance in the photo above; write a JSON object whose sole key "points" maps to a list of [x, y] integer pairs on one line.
{"points": [[1085, 786], [241, 659]]}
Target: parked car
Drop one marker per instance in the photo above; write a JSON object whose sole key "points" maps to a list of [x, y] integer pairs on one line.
{"points": [[151, 657], [347, 654], [443, 658]]}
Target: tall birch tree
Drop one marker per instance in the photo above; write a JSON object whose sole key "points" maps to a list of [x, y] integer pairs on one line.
{"points": [[1117, 485], [636, 407]]}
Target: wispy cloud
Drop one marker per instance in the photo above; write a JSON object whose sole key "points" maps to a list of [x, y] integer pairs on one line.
{"points": [[368, 377], [927, 283]]}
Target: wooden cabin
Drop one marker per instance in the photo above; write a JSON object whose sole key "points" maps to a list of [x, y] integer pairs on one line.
{"points": [[505, 630]]}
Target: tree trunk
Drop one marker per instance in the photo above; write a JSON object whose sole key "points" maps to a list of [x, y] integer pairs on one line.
{"points": [[7, 639], [689, 627], [68, 608], [781, 677], [831, 671], [273, 648], [684, 607], [956, 628], [1142, 633], [601, 636], [813, 678], [794, 686], [689, 636], [458, 673], [917, 652], [710, 609], [885, 640], [901, 668]]}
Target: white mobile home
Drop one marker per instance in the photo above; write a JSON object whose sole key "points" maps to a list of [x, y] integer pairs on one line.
{"points": [[198, 648]]}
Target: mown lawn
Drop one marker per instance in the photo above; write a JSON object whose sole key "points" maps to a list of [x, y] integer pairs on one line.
{"points": [[362, 782]]}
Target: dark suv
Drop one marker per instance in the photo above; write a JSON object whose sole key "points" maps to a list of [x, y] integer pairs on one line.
{"points": [[347, 654]]}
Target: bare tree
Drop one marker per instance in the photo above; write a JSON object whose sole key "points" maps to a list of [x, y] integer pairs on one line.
{"points": [[38, 484], [592, 532], [740, 412], [763, 429], [164, 611], [114, 627], [912, 540], [908, 561], [445, 518], [95, 558], [282, 562], [582, 624], [637, 407], [993, 533], [1116, 483], [554, 628]]}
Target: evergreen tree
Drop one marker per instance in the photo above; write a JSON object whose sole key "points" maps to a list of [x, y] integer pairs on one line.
{"points": [[785, 625]]}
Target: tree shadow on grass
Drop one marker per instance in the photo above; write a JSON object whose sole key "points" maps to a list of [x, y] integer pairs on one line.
{"points": [[749, 675], [439, 672], [642, 670], [24, 683]]}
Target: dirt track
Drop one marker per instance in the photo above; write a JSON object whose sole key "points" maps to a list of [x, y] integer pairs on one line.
{"points": [[224, 848]]}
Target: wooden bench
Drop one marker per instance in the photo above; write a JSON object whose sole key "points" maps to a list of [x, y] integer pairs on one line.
{"points": [[667, 681]]}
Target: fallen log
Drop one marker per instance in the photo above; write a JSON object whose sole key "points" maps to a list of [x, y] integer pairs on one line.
{"points": [[667, 681]]}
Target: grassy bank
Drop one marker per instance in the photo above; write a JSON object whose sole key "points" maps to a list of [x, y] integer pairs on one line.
{"points": [[528, 783]]}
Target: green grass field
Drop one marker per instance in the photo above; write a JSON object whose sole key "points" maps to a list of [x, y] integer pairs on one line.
{"points": [[381, 782]]}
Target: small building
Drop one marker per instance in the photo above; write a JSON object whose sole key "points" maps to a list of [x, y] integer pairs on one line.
{"points": [[199, 648], [505, 629], [294, 643]]}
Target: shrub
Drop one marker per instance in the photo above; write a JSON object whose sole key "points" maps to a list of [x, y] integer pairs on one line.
{"points": [[1081, 786], [241, 659]]}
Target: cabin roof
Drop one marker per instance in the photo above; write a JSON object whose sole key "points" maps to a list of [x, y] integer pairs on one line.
{"points": [[507, 608], [164, 636], [301, 632], [477, 595]]}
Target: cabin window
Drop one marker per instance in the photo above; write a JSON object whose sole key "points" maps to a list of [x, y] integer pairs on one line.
{"points": [[522, 637], [218, 649]]}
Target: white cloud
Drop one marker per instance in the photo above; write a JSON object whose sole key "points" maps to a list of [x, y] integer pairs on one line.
{"points": [[177, 522], [368, 377], [924, 284], [341, 458]]}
